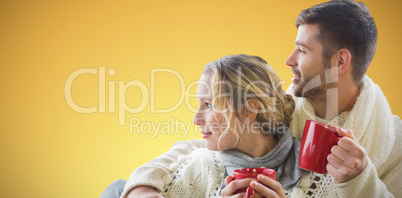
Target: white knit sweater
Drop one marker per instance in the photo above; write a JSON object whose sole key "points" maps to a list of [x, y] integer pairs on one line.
{"points": [[186, 166], [377, 130], [197, 175]]}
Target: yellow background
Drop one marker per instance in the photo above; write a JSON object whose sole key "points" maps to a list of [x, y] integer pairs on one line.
{"points": [[49, 150]]}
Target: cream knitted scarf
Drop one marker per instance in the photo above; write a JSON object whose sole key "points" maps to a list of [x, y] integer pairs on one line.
{"points": [[370, 119]]}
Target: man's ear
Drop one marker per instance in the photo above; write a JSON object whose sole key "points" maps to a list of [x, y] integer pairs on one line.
{"points": [[251, 110], [343, 61]]}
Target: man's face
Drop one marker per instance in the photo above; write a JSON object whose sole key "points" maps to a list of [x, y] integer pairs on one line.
{"points": [[310, 76]]}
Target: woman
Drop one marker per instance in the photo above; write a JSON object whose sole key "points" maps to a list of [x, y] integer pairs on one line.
{"points": [[244, 116]]}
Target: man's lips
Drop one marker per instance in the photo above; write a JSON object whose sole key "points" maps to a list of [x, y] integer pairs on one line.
{"points": [[296, 77]]}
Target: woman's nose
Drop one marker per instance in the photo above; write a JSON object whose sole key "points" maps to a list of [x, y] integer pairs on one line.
{"points": [[198, 120]]}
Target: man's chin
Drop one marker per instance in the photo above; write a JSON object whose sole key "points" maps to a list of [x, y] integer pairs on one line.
{"points": [[294, 90]]}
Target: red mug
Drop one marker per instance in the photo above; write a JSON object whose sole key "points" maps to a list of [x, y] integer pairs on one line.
{"points": [[318, 139], [252, 173]]}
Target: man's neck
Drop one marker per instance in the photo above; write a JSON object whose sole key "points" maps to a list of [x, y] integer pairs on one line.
{"points": [[335, 102]]}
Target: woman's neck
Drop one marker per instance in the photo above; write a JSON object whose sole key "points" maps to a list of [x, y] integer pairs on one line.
{"points": [[256, 145]]}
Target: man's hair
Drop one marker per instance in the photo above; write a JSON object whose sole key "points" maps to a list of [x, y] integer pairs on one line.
{"points": [[344, 24]]}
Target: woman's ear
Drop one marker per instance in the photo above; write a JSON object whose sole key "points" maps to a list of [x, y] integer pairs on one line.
{"points": [[250, 110], [343, 61]]}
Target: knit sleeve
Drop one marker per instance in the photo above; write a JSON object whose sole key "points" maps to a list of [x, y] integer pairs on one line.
{"points": [[366, 184], [392, 171], [393, 180], [153, 173]]}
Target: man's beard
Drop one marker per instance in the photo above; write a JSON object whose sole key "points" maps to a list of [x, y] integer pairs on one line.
{"points": [[315, 87]]}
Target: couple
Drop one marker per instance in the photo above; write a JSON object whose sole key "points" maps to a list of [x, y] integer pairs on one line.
{"points": [[335, 44]]}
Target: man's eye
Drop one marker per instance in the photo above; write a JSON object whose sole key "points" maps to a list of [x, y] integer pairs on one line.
{"points": [[301, 51]]}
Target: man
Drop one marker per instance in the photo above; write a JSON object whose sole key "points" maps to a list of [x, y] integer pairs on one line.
{"points": [[335, 44]]}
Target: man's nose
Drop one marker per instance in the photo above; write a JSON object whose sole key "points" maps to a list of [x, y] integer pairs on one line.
{"points": [[291, 61]]}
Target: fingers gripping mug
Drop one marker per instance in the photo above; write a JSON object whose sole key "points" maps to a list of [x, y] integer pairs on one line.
{"points": [[252, 173], [317, 141]]}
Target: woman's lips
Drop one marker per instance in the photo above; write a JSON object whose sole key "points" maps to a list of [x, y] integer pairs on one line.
{"points": [[206, 134]]}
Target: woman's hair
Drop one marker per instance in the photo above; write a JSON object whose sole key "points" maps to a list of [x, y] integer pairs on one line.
{"points": [[237, 79]]}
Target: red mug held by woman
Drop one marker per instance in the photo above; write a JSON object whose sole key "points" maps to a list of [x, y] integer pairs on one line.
{"points": [[252, 173]]}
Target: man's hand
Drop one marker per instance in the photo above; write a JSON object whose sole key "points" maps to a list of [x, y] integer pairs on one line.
{"points": [[347, 159], [143, 192]]}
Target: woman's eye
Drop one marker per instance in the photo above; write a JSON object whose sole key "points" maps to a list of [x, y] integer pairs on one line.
{"points": [[301, 51], [208, 105]]}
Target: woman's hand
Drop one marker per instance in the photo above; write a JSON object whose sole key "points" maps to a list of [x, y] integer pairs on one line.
{"points": [[263, 187], [233, 185], [267, 187], [143, 192]]}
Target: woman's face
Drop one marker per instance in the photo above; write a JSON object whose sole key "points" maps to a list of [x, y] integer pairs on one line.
{"points": [[212, 123]]}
